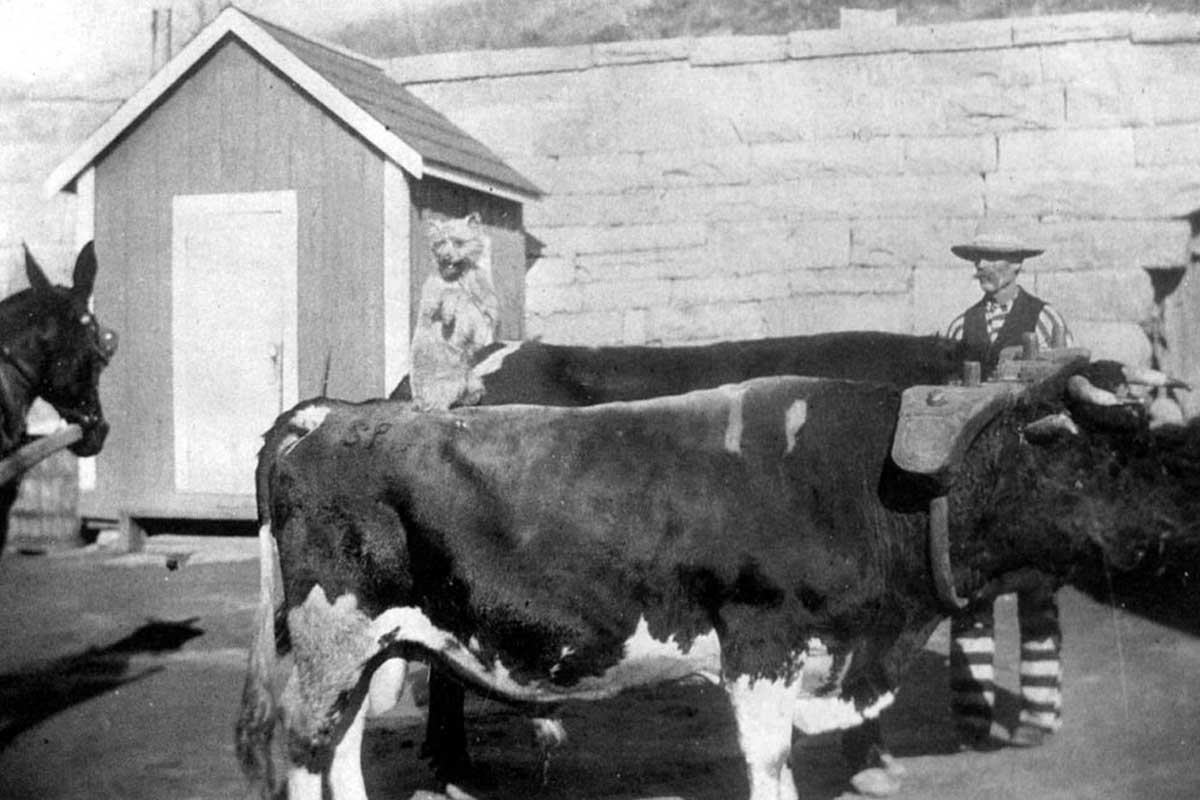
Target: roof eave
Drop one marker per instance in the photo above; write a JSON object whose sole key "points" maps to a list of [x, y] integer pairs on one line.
{"points": [[232, 21], [488, 185]]}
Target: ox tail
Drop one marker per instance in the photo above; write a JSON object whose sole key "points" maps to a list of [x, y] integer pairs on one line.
{"points": [[255, 732]]}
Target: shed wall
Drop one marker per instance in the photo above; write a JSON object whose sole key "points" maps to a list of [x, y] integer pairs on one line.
{"points": [[232, 126]]}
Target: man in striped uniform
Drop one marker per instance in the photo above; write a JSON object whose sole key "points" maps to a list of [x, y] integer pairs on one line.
{"points": [[1000, 319]]}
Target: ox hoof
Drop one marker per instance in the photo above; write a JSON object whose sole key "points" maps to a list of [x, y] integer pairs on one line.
{"points": [[875, 782], [1025, 735]]}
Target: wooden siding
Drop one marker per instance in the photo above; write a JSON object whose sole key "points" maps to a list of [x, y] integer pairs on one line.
{"points": [[433, 198], [233, 125]]}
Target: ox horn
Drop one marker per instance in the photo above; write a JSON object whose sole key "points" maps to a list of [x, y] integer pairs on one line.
{"points": [[1080, 388], [1146, 376], [1050, 425]]}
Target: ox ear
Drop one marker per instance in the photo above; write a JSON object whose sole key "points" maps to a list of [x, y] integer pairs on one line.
{"points": [[85, 271], [33, 271]]}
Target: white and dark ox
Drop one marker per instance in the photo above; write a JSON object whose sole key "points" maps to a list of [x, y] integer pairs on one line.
{"points": [[759, 534], [52, 347]]}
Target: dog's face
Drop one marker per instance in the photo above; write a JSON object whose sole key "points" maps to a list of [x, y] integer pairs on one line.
{"points": [[458, 245]]}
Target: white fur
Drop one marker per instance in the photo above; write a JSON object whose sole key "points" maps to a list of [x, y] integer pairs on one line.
{"points": [[762, 710], [735, 425], [345, 773], [495, 361], [794, 420]]}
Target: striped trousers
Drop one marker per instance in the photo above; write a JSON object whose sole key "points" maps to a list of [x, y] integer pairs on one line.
{"points": [[972, 669]]}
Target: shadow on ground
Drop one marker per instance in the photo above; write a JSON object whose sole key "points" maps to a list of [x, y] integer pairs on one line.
{"points": [[35, 693], [671, 741]]}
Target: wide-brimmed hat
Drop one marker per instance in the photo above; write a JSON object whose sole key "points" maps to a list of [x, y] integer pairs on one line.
{"points": [[992, 243]]}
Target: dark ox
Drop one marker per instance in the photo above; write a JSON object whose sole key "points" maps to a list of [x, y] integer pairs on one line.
{"points": [[52, 347], [760, 535], [564, 375]]}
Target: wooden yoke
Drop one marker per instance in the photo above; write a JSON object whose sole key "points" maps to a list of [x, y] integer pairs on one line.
{"points": [[938, 424]]}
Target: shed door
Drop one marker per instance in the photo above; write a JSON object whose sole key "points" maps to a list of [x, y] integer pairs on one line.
{"points": [[233, 280]]}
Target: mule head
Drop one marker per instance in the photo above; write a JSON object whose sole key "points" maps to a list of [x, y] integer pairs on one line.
{"points": [[67, 348]]}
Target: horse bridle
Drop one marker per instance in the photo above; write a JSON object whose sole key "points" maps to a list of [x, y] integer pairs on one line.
{"points": [[97, 344]]}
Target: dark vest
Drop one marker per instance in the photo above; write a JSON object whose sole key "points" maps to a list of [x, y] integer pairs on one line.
{"points": [[1022, 318]]}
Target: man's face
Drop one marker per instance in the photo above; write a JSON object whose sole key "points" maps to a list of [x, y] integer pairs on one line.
{"points": [[994, 275]]}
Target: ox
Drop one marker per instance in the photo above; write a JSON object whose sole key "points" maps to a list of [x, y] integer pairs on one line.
{"points": [[52, 347], [760, 535], [566, 375]]}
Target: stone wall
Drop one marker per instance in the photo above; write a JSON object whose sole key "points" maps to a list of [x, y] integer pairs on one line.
{"points": [[39, 128], [770, 185], [730, 187]]}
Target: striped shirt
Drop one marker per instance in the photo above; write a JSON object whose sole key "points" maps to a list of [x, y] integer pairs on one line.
{"points": [[1048, 322]]}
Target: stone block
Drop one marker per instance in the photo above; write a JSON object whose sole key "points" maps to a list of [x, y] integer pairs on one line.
{"points": [[955, 154], [902, 242], [730, 164], [1116, 341], [488, 63], [1171, 87], [726, 288], [641, 51], [1113, 193], [823, 43], [940, 294], [1103, 81], [1071, 27], [546, 300], [778, 244], [620, 295], [972, 35], [624, 238], [819, 313], [711, 51], [705, 323], [1165, 29], [1109, 244], [854, 279], [825, 197], [655, 264], [979, 106], [600, 173], [550, 271], [634, 326], [780, 161], [26, 215], [587, 328], [1167, 145], [1105, 148], [1102, 295]]}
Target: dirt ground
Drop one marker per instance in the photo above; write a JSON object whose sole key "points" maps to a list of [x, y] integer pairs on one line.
{"points": [[120, 678]]}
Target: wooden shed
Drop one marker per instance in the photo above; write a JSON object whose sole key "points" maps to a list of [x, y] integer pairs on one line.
{"points": [[258, 211]]}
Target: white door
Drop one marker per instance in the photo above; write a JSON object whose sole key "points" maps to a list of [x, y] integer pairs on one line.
{"points": [[233, 285]]}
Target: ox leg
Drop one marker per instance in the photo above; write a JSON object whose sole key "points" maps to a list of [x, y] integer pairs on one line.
{"points": [[345, 773], [386, 684], [445, 729], [763, 711], [325, 700]]}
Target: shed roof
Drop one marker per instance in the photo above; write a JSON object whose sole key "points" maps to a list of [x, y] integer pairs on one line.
{"points": [[404, 128]]}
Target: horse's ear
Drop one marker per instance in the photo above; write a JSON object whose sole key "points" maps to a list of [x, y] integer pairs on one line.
{"points": [[37, 278], [85, 271]]}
